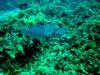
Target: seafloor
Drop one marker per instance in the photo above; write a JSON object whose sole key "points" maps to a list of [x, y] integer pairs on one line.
{"points": [[75, 53]]}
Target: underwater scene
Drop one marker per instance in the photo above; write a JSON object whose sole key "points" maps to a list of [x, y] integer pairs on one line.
{"points": [[49, 37]]}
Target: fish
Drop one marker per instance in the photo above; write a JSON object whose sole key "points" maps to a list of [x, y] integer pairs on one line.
{"points": [[8, 4], [7, 8], [44, 31]]}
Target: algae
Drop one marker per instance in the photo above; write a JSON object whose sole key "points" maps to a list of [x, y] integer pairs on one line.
{"points": [[76, 53]]}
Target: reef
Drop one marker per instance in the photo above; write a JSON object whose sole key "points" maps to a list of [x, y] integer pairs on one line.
{"points": [[74, 53]]}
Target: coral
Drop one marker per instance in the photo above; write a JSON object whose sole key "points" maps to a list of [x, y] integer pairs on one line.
{"points": [[38, 18], [75, 53]]}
